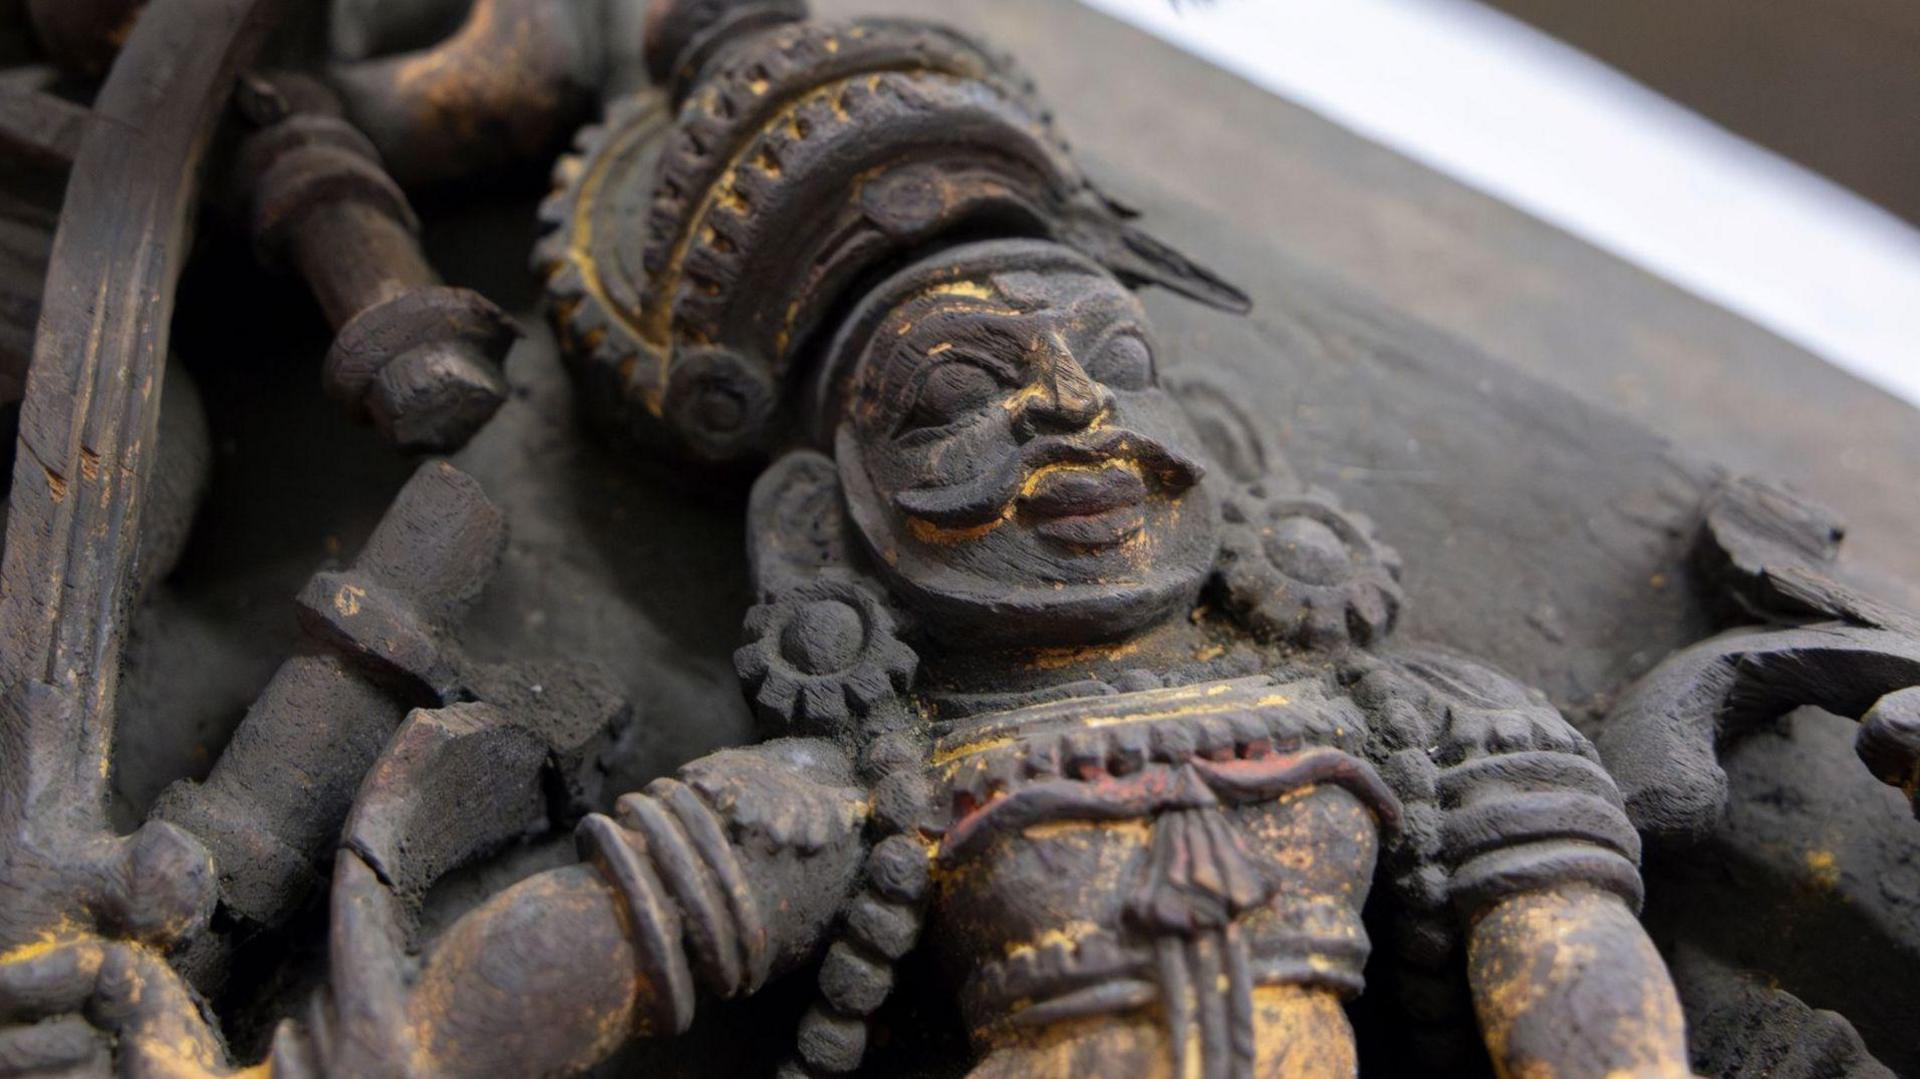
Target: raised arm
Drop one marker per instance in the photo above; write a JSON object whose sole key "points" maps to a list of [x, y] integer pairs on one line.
{"points": [[706, 884]]}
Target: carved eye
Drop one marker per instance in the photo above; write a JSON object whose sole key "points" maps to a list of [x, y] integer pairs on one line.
{"points": [[1123, 362], [950, 392]]}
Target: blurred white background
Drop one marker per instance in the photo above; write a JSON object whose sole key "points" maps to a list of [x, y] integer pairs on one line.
{"points": [[1507, 109]]}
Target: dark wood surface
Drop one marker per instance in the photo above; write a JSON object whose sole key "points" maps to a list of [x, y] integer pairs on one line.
{"points": [[90, 416], [1169, 127]]}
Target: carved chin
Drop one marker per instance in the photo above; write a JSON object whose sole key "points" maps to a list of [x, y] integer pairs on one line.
{"points": [[1079, 580], [965, 608]]}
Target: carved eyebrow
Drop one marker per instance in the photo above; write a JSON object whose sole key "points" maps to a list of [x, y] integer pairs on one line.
{"points": [[997, 341], [963, 352], [995, 347], [957, 321], [916, 380]]}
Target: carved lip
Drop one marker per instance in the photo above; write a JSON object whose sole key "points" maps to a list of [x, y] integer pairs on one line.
{"points": [[1016, 479], [1083, 490], [1094, 529], [1089, 505]]}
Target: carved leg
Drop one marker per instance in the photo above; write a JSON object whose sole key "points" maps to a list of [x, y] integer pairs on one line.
{"points": [[1300, 1032], [1567, 984]]}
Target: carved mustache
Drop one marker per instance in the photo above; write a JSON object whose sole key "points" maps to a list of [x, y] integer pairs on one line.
{"points": [[994, 488]]}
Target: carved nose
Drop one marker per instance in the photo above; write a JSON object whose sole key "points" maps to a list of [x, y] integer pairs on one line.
{"points": [[1063, 397]]}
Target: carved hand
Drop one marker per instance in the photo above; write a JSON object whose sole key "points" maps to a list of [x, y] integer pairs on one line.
{"points": [[76, 1003]]}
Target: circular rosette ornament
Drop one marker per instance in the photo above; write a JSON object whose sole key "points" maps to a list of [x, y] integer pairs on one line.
{"points": [[823, 654], [1298, 568]]}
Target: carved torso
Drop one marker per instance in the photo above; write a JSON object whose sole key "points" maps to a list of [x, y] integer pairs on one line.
{"points": [[1109, 853]]}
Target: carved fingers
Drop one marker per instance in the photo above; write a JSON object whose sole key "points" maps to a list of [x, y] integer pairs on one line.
{"points": [[43, 988], [75, 1004]]}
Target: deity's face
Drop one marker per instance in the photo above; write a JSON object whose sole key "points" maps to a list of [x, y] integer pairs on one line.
{"points": [[1012, 462]]}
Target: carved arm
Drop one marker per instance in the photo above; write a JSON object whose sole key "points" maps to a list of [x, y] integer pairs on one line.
{"points": [[1517, 856], [712, 882]]}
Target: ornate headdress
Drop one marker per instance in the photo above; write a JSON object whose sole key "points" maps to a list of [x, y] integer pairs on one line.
{"points": [[700, 245]]}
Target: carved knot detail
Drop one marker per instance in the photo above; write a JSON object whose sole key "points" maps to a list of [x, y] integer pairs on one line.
{"points": [[1200, 875]]}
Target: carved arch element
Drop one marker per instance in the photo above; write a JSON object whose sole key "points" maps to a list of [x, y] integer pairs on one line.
{"points": [[1662, 741], [1765, 555]]}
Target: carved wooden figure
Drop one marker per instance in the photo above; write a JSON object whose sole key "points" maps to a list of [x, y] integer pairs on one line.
{"points": [[1072, 684], [1110, 726]]}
